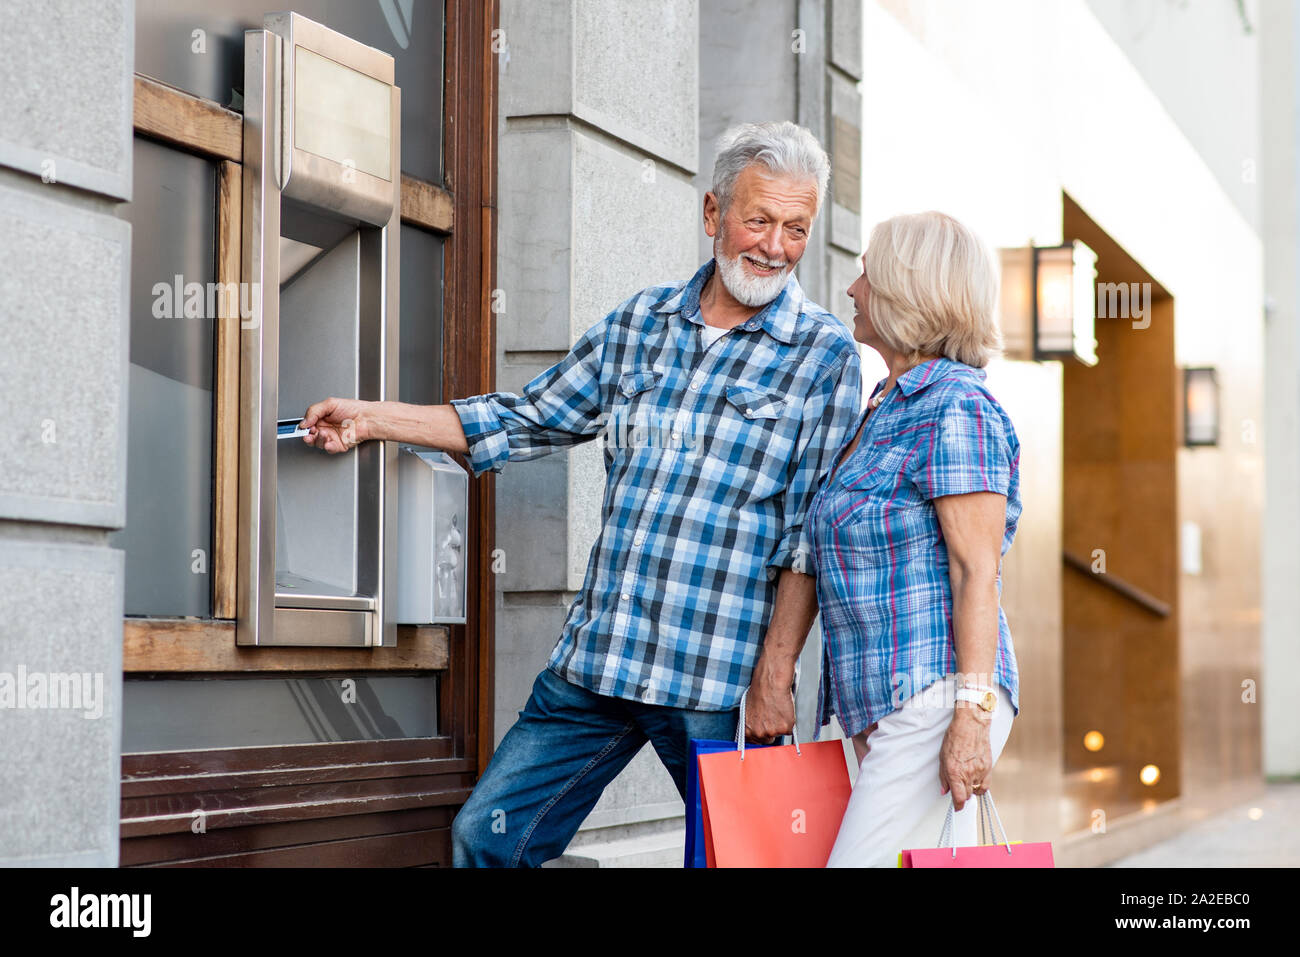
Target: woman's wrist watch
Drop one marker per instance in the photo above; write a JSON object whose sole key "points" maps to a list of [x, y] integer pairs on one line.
{"points": [[984, 699]]}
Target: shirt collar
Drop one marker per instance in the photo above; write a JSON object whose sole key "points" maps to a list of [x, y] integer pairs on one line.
{"points": [[778, 318], [919, 376]]}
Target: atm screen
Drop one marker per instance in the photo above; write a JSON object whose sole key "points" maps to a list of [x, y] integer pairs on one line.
{"points": [[341, 115]]}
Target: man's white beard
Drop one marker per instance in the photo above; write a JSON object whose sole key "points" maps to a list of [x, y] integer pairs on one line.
{"points": [[747, 289]]}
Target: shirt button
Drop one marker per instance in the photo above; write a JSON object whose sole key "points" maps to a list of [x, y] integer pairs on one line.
{"points": [[749, 413], [626, 596], [640, 537], [656, 490], [677, 436]]}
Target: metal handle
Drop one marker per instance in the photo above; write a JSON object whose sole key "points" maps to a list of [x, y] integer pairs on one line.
{"points": [[985, 820], [740, 726]]}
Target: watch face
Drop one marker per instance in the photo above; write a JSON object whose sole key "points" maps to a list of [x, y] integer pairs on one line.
{"points": [[989, 701]]}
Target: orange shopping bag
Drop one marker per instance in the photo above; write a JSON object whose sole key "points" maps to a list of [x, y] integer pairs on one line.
{"points": [[775, 806]]}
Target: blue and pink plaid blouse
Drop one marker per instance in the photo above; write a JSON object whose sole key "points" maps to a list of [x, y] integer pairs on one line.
{"points": [[882, 565]]}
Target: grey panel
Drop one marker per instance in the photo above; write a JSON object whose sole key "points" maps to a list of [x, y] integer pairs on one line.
{"points": [[61, 606], [186, 714], [635, 72], [846, 113], [169, 480], [318, 330], [66, 92], [316, 520], [846, 36], [63, 309], [420, 340], [411, 31], [316, 493]]}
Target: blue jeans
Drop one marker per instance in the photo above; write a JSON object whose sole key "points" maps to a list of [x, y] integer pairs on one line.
{"points": [[552, 766]]}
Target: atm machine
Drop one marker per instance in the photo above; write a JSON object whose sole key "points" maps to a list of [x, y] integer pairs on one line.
{"points": [[318, 542]]}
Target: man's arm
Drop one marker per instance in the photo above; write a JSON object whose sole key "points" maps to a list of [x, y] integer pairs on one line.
{"points": [[769, 709], [436, 426], [336, 425]]}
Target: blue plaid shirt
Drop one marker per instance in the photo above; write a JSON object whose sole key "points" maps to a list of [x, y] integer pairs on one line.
{"points": [[711, 458], [882, 565]]}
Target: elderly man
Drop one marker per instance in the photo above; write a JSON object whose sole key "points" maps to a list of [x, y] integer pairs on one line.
{"points": [[719, 402]]}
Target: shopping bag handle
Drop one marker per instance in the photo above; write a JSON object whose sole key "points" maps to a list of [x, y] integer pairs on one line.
{"points": [[988, 813], [740, 726]]}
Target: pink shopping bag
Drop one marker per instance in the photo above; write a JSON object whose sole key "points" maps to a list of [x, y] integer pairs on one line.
{"points": [[1005, 854]]}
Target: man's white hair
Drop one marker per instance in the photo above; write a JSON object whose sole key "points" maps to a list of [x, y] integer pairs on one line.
{"points": [[783, 148]]}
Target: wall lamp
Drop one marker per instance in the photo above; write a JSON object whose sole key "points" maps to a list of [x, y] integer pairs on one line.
{"points": [[1200, 406], [1048, 302]]}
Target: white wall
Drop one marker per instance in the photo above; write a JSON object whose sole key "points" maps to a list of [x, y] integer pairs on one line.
{"points": [[1202, 60], [989, 111], [1280, 99]]}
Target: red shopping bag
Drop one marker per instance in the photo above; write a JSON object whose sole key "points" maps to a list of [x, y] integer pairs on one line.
{"points": [[775, 806], [986, 853]]}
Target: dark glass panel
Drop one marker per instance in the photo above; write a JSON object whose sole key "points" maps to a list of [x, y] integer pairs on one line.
{"points": [[420, 337], [184, 714], [168, 534]]}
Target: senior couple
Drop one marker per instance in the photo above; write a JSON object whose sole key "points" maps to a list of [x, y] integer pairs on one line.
{"points": [[718, 547]]}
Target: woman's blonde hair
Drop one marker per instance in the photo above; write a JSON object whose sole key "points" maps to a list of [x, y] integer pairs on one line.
{"points": [[934, 290]]}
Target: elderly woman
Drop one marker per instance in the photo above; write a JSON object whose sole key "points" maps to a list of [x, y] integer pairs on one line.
{"points": [[909, 527]]}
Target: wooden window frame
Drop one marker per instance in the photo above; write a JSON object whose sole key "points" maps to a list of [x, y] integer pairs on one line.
{"points": [[438, 773]]}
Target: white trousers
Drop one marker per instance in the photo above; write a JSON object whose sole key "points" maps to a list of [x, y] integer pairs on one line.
{"points": [[897, 800]]}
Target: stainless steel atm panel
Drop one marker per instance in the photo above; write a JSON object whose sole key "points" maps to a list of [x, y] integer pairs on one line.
{"points": [[322, 207]]}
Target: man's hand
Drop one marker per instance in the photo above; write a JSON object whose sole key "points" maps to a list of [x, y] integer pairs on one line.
{"points": [[337, 425], [966, 757], [769, 704], [769, 707]]}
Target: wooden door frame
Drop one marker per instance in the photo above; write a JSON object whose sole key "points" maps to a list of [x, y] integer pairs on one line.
{"points": [[469, 345]]}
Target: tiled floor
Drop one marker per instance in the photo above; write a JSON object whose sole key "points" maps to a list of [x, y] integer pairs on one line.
{"points": [[1264, 833]]}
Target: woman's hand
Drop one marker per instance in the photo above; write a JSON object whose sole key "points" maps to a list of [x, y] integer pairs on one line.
{"points": [[966, 757], [337, 425]]}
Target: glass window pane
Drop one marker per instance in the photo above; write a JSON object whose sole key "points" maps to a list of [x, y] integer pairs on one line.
{"points": [[198, 46], [420, 336], [168, 534], [183, 714]]}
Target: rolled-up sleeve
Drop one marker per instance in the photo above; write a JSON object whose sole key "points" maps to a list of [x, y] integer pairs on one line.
{"points": [[829, 411], [969, 451], [559, 408]]}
